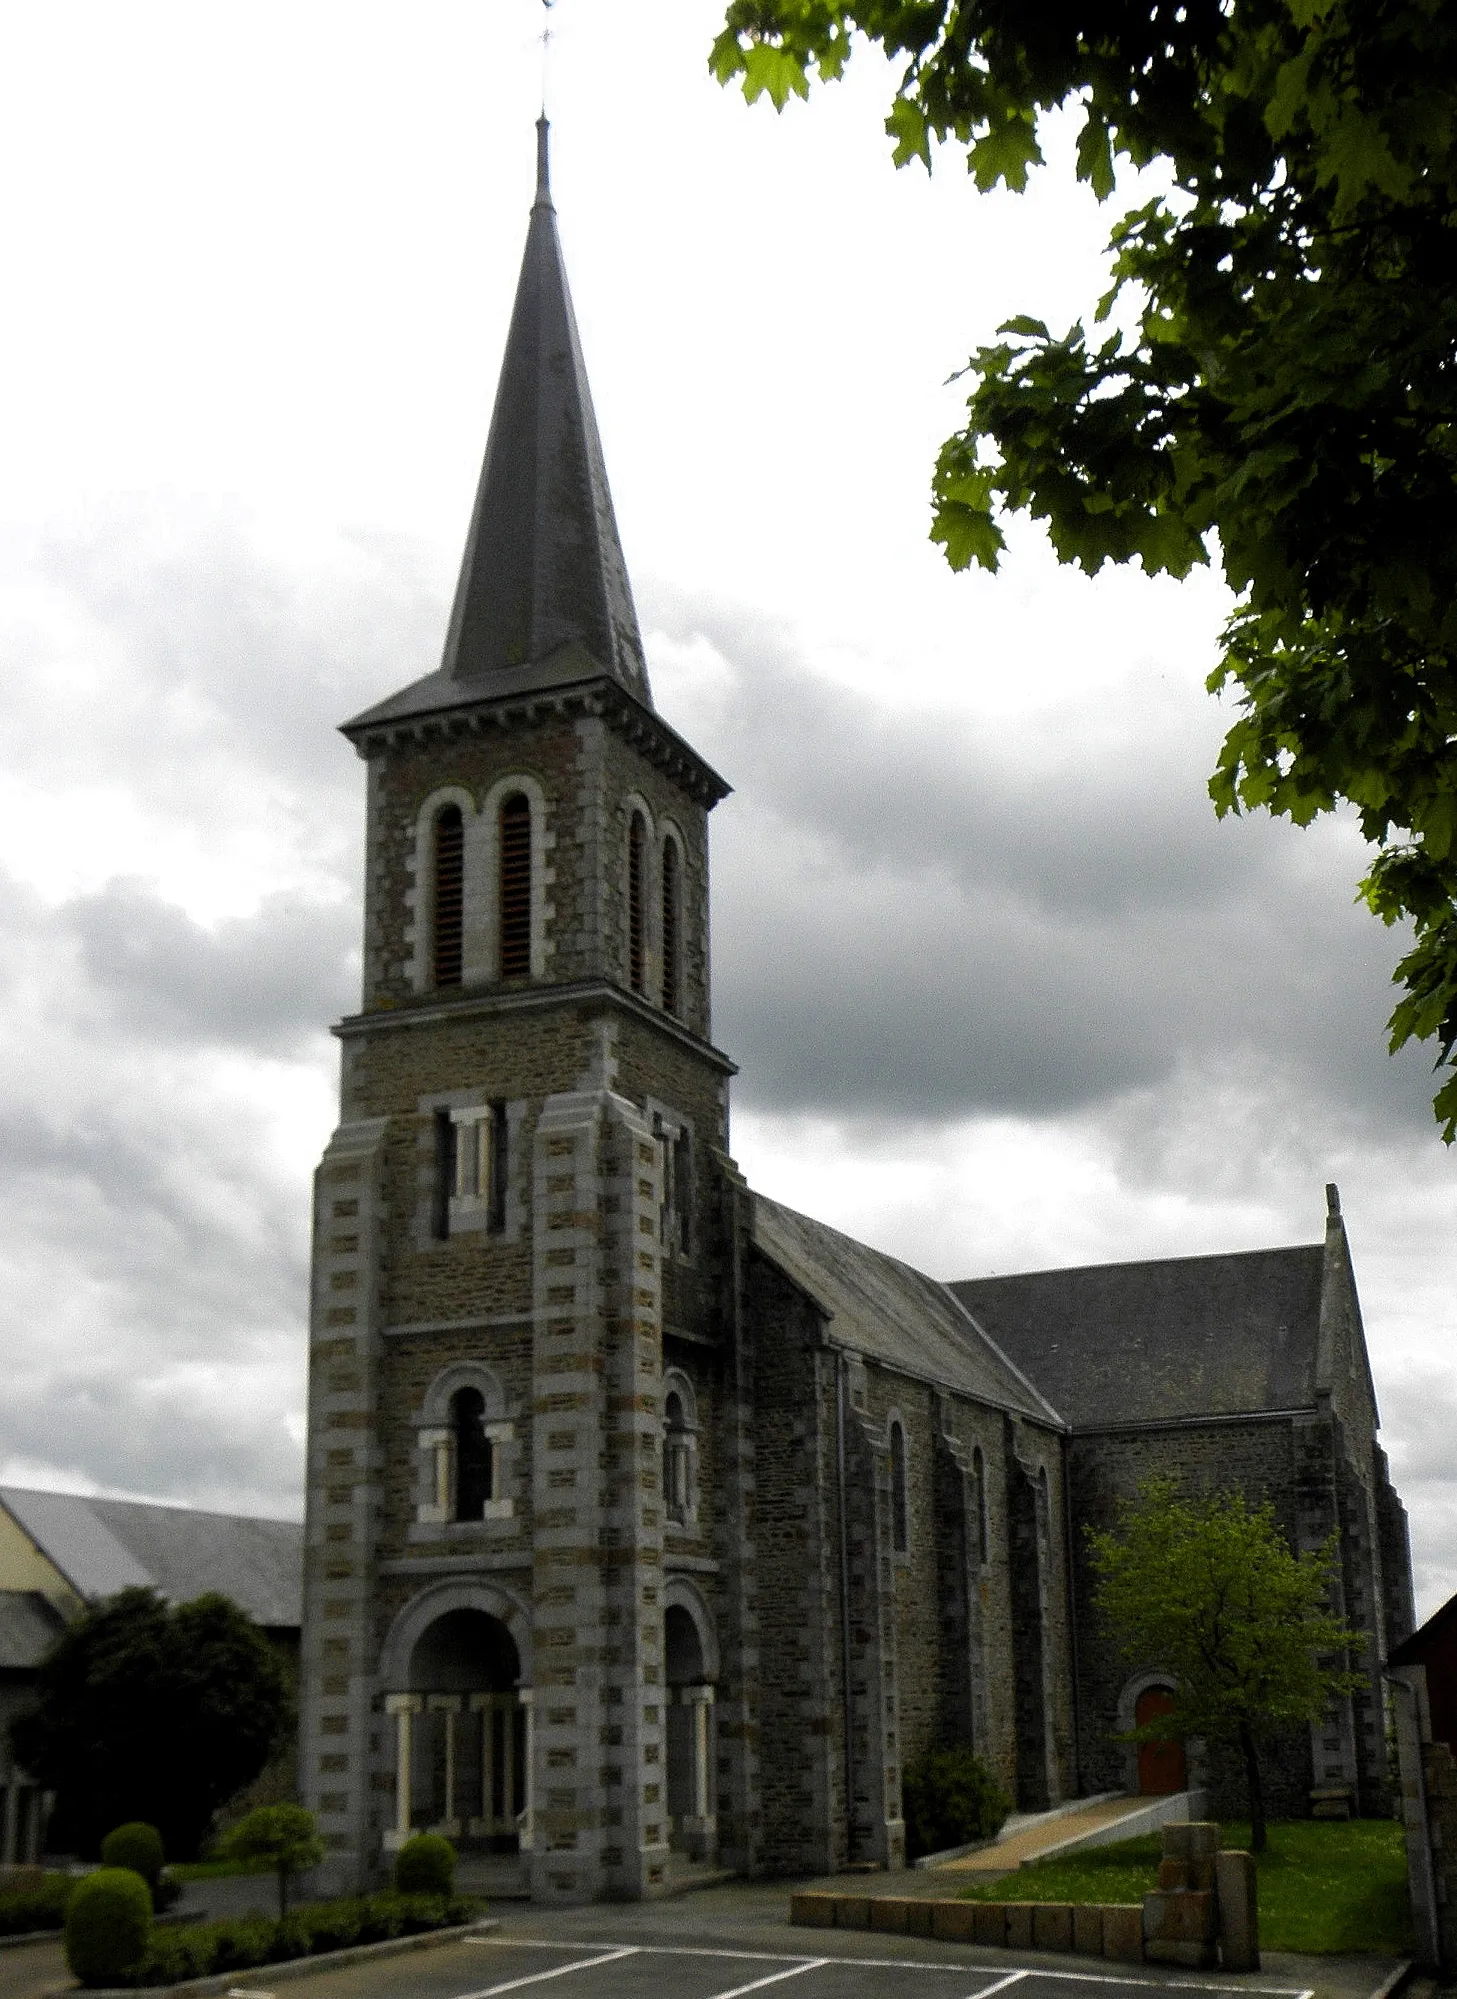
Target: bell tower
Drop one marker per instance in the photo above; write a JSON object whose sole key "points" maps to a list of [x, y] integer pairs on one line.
{"points": [[516, 1231]]}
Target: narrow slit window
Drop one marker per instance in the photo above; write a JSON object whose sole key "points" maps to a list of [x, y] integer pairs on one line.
{"points": [[516, 887], [672, 926], [979, 1501], [637, 867], [494, 1186], [472, 1453], [449, 897], [899, 1511], [444, 1181]]}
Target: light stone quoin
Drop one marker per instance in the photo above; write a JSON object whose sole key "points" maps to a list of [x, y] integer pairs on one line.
{"points": [[652, 1527]]}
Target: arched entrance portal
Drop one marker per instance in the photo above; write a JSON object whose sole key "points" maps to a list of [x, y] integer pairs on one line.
{"points": [[692, 1825], [462, 1749], [1162, 1766]]}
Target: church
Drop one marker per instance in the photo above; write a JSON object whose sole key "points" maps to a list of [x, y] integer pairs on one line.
{"points": [[652, 1524]]}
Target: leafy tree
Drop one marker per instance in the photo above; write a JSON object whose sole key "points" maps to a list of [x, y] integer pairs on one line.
{"points": [[146, 1710], [286, 1836], [1271, 380], [1207, 1589]]}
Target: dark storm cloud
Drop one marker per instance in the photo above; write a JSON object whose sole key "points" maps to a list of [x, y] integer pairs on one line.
{"points": [[268, 982], [919, 917]]}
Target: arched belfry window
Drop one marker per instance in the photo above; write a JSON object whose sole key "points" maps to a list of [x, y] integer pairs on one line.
{"points": [[448, 897], [637, 871], [471, 1451], [900, 1526], [672, 927], [516, 886]]}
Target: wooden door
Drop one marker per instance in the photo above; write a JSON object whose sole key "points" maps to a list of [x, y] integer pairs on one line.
{"points": [[1162, 1768]]}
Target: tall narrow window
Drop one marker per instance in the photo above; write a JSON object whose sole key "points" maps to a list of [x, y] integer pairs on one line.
{"points": [[979, 1501], [516, 887], [899, 1511], [637, 868], [682, 1154], [672, 925], [472, 1453], [448, 899], [495, 1186], [444, 1182]]}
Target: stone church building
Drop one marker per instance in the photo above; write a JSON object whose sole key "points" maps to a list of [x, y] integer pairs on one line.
{"points": [[650, 1522]]}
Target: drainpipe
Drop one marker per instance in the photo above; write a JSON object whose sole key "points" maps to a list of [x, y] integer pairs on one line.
{"points": [[844, 1527], [1070, 1565], [1429, 1866]]}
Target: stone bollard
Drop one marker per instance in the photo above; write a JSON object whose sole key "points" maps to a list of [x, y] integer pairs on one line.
{"points": [[1180, 1916], [1239, 1917]]}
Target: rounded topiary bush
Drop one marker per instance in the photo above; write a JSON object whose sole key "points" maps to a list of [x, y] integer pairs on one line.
{"points": [[950, 1799], [108, 1925], [425, 1865], [136, 1845]]}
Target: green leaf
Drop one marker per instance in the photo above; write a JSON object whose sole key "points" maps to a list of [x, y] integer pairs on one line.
{"points": [[907, 126], [1095, 156]]}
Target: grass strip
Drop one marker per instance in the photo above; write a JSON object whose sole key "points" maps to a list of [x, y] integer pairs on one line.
{"points": [[1323, 1886]]}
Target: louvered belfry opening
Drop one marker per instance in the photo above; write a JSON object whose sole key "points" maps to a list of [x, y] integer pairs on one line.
{"points": [[672, 924], [449, 897], [516, 887], [637, 867]]}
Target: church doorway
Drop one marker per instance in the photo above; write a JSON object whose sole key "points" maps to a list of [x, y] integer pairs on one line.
{"points": [[462, 1735], [1162, 1765], [691, 1821]]}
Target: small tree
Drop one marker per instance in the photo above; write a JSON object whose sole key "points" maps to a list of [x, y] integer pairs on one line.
{"points": [[148, 1710], [1208, 1588], [286, 1836]]}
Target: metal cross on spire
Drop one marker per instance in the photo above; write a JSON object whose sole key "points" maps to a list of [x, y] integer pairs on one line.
{"points": [[545, 38]]}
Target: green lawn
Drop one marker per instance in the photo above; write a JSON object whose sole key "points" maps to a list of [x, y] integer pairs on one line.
{"points": [[1323, 1886]]}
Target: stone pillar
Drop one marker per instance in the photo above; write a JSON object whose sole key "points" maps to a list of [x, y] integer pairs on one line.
{"points": [[524, 1817], [699, 1827], [338, 1715], [404, 1708], [599, 1827], [447, 1706]]}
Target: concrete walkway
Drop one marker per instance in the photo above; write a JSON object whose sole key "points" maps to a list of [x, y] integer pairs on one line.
{"points": [[1047, 1833]]}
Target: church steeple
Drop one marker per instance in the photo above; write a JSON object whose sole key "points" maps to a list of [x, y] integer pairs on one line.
{"points": [[543, 566]]}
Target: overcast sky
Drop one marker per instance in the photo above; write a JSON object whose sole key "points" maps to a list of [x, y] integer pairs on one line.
{"points": [[1003, 991]]}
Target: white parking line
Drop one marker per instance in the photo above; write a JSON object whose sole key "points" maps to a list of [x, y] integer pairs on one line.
{"points": [[772, 1978], [558, 1971], [986, 1991]]}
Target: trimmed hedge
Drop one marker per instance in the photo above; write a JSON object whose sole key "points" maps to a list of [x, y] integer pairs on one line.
{"points": [[950, 1799], [42, 1908], [425, 1865], [138, 1846], [200, 1950], [108, 1926]]}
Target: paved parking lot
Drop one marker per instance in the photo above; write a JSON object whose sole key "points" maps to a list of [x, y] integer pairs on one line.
{"points": [[608, 1970]]}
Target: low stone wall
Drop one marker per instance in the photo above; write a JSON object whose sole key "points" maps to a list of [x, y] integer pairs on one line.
{"points": [[1202, 1912], [1102, 1929]]}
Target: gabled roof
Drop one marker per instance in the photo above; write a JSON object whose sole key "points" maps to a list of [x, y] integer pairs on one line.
{"points": [[1431, 1639], [1185, 1337], [104, 1545], [892, 1313], [543, 595]]}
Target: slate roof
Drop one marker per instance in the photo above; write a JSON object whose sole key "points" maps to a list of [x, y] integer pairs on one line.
{"points": [[104, 1545], [29, 1625], [1188, 1336], [890, 1312], [543, 595]]}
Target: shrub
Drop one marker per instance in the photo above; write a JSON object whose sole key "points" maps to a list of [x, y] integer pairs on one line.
{"points": [[286, 1836], [425, 1865], [136, 1845], [36, 1908], [108, 1925], [951, 1799], [239, 1944]]}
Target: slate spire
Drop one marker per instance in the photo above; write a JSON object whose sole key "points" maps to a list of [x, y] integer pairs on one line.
{"points": [[543, 566]]}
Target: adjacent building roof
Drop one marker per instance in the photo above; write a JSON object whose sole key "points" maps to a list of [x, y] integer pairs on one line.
{"points": [[1188, 1337], [891, 1313], [101, 1546], [30, 1624], [543, 594]]}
